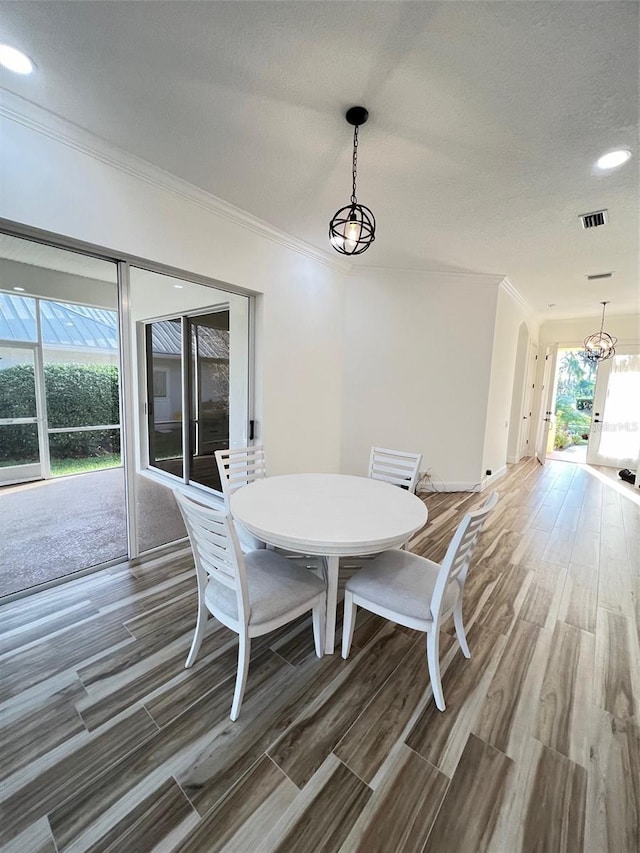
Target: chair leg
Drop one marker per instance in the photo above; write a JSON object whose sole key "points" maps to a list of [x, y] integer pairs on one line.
{"points": [[244, 652], [318, 626], [460, 632], [201, 624], [348, 624], [433, 661]]}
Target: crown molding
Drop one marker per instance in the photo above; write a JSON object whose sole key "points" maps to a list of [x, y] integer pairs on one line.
{"points": [[506, 285], [447, 275], [26, 113]]}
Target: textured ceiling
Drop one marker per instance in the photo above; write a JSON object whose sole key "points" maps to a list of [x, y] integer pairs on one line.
{"points": [[485, 121]]}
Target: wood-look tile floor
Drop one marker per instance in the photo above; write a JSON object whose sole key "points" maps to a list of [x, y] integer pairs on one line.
{"points": [[108, 743]]}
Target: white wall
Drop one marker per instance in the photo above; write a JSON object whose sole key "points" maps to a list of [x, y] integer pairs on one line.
{"points": [[510, 315], [58, 179], [573, 332], [417, 362]]}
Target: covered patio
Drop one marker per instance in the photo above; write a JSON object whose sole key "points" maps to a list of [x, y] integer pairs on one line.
{"points": [[57, 527]]}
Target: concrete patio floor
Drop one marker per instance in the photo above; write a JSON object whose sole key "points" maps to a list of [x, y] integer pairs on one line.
{"points": [[573, 453], [52, 528]]}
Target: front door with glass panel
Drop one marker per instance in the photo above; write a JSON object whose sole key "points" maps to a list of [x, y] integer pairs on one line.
{"points": [[615, 430], [21, 418]]}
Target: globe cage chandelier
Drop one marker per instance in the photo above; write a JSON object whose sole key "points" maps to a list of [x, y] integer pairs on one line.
{"points": [[353, 228], [600, 346]]}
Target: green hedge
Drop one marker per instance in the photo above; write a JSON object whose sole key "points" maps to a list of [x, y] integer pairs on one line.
{"points": [[77, 395]]}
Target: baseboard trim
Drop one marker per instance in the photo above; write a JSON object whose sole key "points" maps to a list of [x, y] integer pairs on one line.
{"points": [[450, 486], [489, 481]]}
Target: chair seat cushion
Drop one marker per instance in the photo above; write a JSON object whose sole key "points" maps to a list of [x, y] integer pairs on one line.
{"points": [[403, 583], [276, 586]]}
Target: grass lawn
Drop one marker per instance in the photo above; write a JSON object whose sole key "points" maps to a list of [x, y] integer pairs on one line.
{"points": [[61, 467]]}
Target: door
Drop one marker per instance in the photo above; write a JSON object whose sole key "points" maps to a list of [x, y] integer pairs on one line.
{"points": [[22, 428], [525, 434], [547, 404], [615, 428]]}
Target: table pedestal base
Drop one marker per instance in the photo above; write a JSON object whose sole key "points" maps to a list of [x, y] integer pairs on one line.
{"points": [[332, 564]]}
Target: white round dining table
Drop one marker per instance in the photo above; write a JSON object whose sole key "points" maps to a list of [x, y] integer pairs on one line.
{"points": [[328, 515]]}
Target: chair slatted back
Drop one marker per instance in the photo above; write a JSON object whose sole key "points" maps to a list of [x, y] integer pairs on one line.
{"points": [[216, 550], [239, 466], [456, 562], [395, 466]]}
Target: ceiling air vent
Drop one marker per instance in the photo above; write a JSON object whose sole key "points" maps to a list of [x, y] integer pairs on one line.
{"points": [[594, 219], [599, 275]]}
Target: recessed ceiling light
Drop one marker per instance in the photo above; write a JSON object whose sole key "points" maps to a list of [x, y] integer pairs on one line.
{"points": [[15, 60], [21, 289], [613, 159], [178, 286]]}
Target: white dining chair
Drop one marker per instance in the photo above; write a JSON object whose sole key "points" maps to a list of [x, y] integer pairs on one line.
{"points": [[395, 466], [239, 466], [417, 592], [251, 593]]}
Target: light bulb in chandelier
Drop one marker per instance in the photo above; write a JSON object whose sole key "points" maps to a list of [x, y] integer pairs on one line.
{"points": [[352, 233]]}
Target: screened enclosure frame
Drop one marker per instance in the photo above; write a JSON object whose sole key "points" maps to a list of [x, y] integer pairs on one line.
{"points": [[39, 348]]}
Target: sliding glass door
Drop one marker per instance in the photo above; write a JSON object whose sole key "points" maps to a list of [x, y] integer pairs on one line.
{"points": [[117, 384], [194, 378], [62, 500]]}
